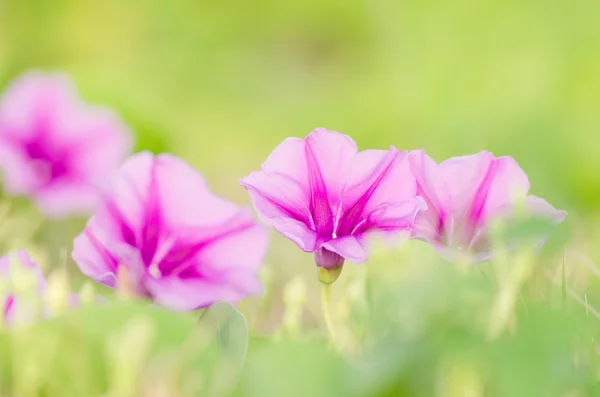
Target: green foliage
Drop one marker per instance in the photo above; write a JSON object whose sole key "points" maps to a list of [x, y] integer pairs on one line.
{"points": [[124, 349], [405, 324], [221, 83], [431, 328]]}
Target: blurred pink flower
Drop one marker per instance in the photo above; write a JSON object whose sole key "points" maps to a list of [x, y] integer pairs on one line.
{"points": [[175, 241], [9, 300], [327, 197], [54, 148], [463, 194]]}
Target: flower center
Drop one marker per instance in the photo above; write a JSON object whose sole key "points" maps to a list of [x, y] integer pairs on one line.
{"points": [[154, 271], [46, 165]]}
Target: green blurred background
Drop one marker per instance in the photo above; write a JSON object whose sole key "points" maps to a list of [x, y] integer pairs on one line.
{"points": [[221, 83]]}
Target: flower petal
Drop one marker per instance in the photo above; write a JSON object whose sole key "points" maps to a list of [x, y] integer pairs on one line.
{"points": [[437, 219], [288, 160], [329, 155], [33, 97], [377, 178], [98, 142], [18, 176], [396, 216], [191, 294], [93, 258], [349, 247], [238, 243], [185, 199], [480, 184], [65, 198], [277, 205], [243, 248], [539, 207], [25, 261], [128, 196]]}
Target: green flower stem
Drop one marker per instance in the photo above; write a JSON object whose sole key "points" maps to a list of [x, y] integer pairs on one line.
{"points": [[325, 290]]}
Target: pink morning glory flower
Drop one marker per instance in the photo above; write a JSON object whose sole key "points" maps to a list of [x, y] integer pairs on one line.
{"points": [[54, 148], [463, 194], [30, 274], [174, 240], [326, 197], [25, 294]]}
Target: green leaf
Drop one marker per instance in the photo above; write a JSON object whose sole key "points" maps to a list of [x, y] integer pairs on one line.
{"points": [[120, 348], [224, 331], [293, 369]]}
